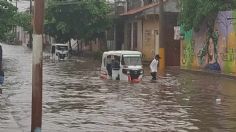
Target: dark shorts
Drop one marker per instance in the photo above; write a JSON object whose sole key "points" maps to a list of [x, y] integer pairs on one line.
{"points": [[154, 75]]}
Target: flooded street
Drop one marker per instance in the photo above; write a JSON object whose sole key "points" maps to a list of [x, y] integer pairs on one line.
{"points": [[76, 99]]}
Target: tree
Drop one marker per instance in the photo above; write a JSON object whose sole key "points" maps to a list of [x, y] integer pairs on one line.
{"points": [[7, 12], [23, 19], [195, 12], [10, 18], [78, 19]]}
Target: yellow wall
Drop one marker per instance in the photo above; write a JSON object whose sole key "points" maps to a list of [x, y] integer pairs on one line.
{"points": [[150, 24]]}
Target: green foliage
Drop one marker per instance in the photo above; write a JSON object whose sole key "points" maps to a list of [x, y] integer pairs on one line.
{"points": [[79, 19], [10, 18], [195, 12], [23, 19], [9, 37], [188, 49], [7, 12]]}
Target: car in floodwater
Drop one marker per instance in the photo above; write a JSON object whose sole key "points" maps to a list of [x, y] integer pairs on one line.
{"points": [[122, 65], [60, 51]]}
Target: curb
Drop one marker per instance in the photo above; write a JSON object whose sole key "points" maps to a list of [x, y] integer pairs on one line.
{"points": [[205, 72]]}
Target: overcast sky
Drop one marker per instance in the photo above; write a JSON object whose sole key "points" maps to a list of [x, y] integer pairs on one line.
{"points": [[22, 5]]}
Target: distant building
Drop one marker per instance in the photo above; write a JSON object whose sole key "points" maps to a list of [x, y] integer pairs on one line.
{"points": [[137, 28]]}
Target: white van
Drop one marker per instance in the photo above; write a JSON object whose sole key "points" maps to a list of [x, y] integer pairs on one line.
{"points": [[60, 51], [122, 65]]}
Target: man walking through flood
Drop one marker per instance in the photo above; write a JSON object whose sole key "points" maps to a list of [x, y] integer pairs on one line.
{"points": [[153, 67]]}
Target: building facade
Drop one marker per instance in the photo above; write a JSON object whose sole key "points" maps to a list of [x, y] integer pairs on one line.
{"points": [[139, 29]]}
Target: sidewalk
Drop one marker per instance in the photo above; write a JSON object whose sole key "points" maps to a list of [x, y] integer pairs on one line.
{"points": [[208, 72], [195, 71]]}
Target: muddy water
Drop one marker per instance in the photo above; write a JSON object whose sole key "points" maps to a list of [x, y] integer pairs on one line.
{"points": [[75, 99]]}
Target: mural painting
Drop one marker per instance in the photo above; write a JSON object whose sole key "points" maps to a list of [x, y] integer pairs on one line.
{"points": [[208, 55], [212, 49], [229, 56], [188, 49]]}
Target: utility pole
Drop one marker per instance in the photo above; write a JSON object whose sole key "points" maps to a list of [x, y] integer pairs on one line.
{"points": [[161, 37], [37, 66], [30, 32], [15, 29]]}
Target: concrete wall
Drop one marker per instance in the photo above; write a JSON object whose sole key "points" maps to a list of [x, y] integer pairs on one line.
{"points": [[172, 6], [140, 35], [150, 25], [126, 41], [148, 31], [129, 34], [131, 4], [146, 28], [215, 51]]}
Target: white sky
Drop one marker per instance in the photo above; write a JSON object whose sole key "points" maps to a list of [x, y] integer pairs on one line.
{"points": [[111, 0], [22, 5]]}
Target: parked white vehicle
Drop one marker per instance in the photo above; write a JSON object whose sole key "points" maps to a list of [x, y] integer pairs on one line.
{"points": [[122, 65], [60, 51]]}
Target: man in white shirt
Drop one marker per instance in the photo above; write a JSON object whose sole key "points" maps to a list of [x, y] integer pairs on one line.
{"points": [[153, 67]]}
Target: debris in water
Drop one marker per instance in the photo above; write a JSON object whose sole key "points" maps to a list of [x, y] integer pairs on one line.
{"points": [[186, 99], [218, 101]]}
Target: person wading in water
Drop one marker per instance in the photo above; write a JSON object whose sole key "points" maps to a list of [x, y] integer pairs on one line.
{"points": [[153, 67]]}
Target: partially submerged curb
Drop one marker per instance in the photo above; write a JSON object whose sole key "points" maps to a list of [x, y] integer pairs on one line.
{"points": [[207, 72]]}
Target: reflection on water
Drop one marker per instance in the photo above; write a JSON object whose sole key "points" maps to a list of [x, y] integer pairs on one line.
{"points": [[75, 99]]}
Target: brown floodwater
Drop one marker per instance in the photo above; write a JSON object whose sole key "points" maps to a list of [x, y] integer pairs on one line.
{"points": [[76, 99]]}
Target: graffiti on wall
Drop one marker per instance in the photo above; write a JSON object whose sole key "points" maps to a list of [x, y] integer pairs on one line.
{"points": [[208, 54], [188, 49], [226, 24], [213, 49]]}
